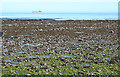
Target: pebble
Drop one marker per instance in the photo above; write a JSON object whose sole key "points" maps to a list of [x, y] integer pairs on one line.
{"points": [[28, 74]]}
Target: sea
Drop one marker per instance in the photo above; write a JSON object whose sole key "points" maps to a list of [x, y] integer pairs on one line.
{"points": [[61, 16]]}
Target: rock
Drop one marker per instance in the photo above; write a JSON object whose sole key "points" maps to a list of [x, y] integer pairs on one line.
{"points": [[81, 73], [36, 70], [54, 66], [41, 63], [62, 59], [1, 34], [116, 57], [86, 66], [29, 69], [96, 62], [91, 58], [111, 31], [107, 27], [16, 66], [33, 67], [66, 51], [80, 40], [76, 67], [63, 65], [100, 49], [45, 67], [28, 74], [112, 62], [118, 47]]}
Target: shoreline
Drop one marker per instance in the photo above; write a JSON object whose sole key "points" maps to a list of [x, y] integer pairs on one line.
{"points": [[56, 19], [48, 20]]}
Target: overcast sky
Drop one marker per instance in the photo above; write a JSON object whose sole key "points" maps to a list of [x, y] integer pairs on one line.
{"points": [[60, 6]]}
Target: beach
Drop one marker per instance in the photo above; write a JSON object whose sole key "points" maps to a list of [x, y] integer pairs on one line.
{"points": [[60, 47]]}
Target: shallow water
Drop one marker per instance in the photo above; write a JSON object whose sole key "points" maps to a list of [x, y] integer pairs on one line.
{"points": [[63, 16]]}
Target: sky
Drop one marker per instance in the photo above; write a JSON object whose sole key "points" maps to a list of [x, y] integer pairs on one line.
{"points": [[59, 6], [59, 0]]}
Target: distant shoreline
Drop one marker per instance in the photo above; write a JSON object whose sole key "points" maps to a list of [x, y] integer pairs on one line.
{"points": [[47, 19]]}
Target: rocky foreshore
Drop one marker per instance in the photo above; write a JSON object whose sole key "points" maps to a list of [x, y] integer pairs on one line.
{"points": [[47, 46]]}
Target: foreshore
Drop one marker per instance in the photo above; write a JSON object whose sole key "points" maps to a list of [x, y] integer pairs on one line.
{"points": [[62, 47]]}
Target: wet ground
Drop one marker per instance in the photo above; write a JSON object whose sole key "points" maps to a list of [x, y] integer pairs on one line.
{"points": [[50, 47]]}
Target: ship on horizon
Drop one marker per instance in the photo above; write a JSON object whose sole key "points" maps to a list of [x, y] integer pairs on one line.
{"points": [[36, 11]]}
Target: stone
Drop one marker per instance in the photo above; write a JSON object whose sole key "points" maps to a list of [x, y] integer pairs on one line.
{"points": [[80, 40], [1, 34]]}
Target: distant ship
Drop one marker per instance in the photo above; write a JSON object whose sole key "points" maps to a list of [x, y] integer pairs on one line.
{"points": [[36, 11]]}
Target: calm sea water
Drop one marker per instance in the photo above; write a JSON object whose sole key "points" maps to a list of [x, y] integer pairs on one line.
{"points": [[62, 16]]}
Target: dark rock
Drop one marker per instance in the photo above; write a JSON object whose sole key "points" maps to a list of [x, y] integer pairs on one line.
{"points": [[36, 70], [62, 59], [76, 67], [74, 63], [16, 66], [63, 65], [82, 61], [41, 63], [112, 62], [118, 47], [54, 66], [1, 34], [28, 69], [80, 40], [81, 73], [116, 57], [111, 31], [86, 66], [96, 62], [45, 67]]}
